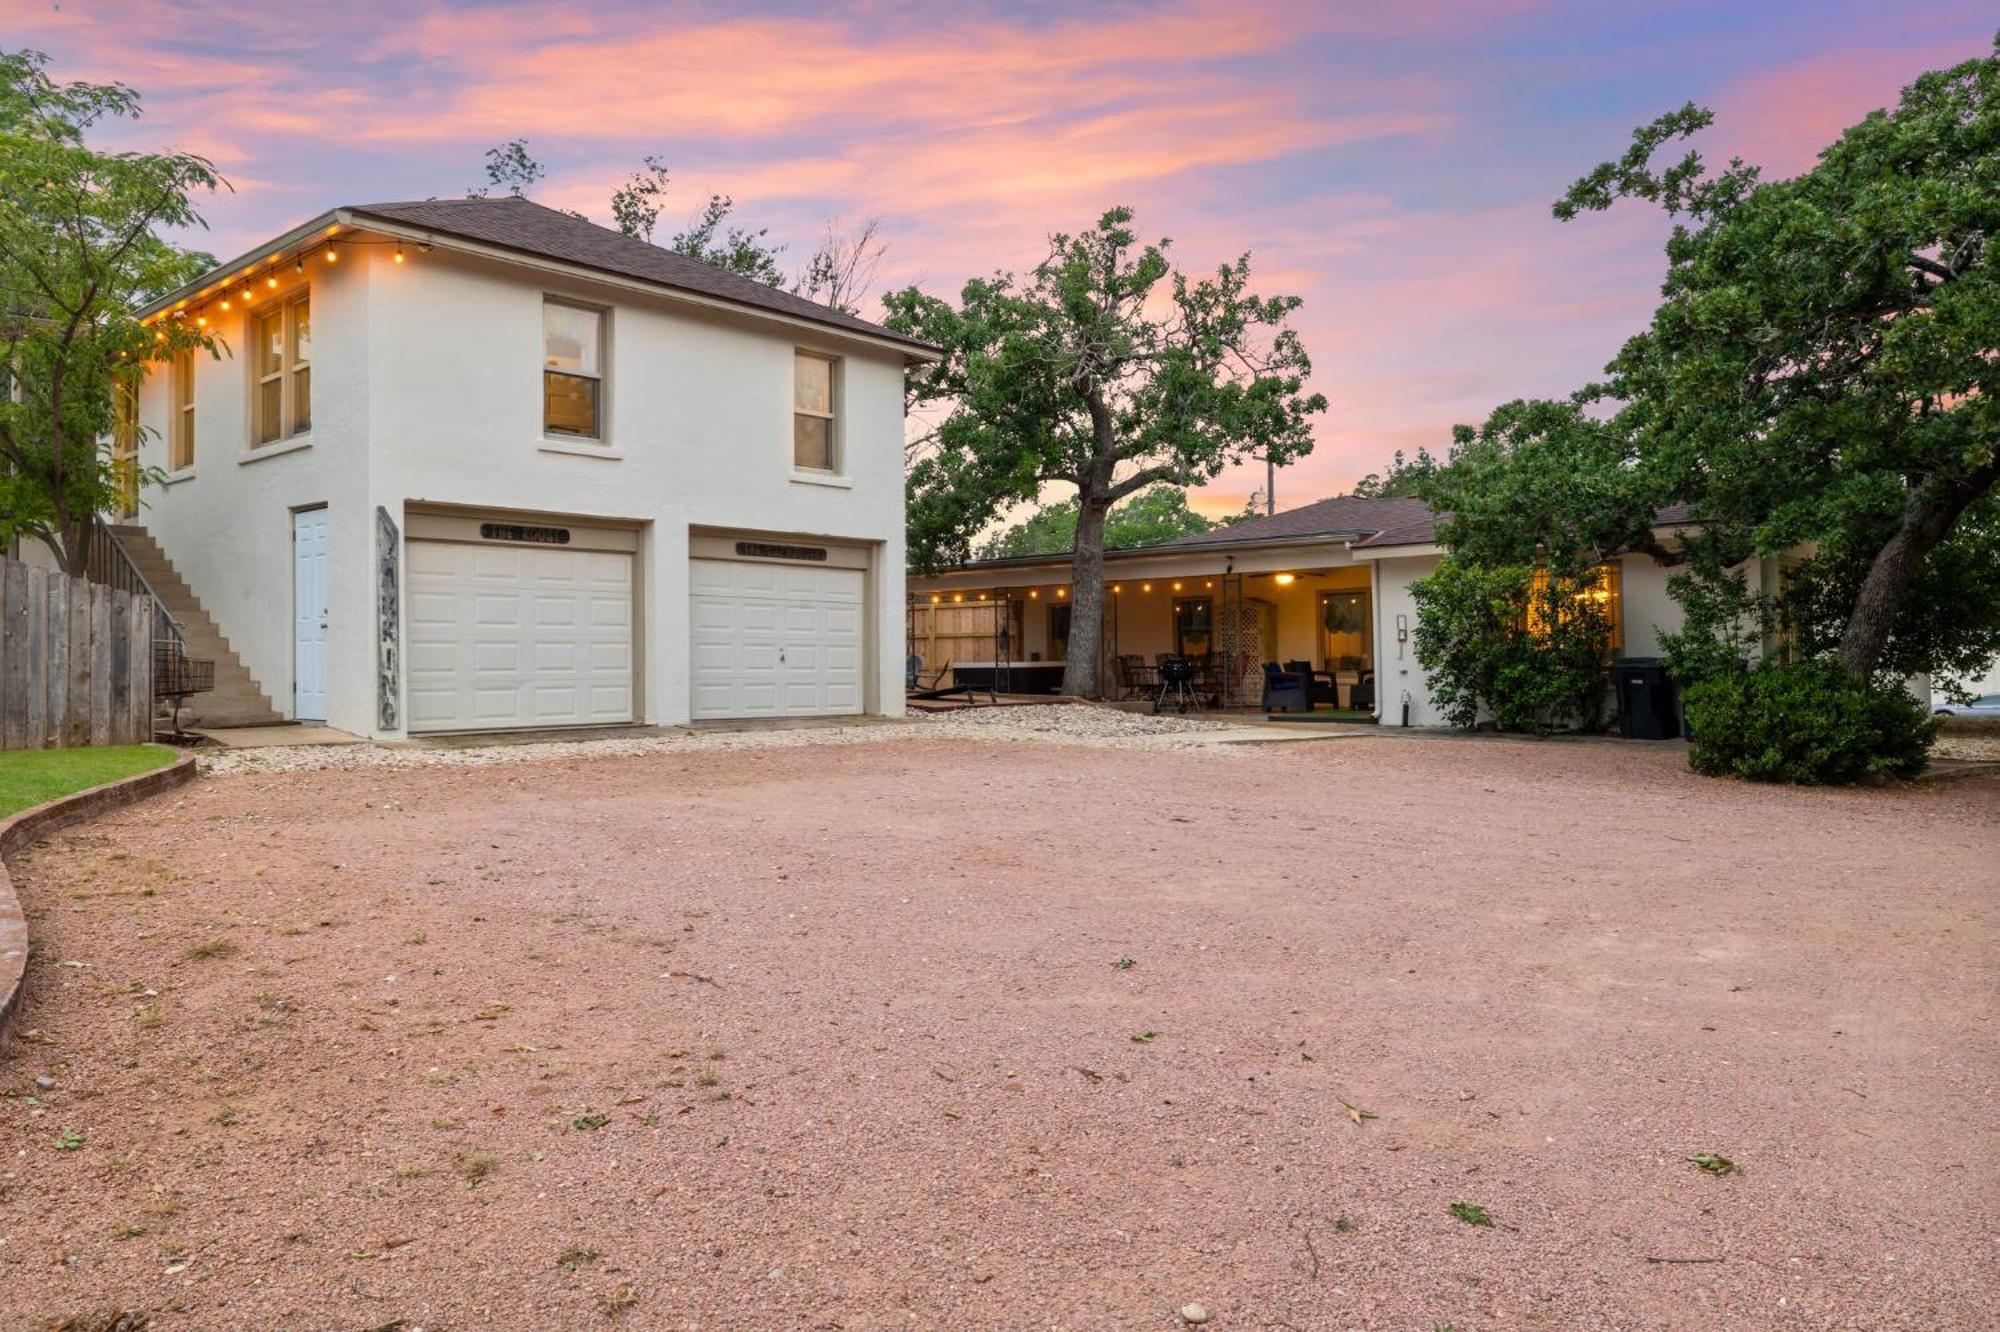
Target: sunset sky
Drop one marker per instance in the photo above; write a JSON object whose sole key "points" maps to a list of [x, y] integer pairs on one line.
{"points": [[1392, 164]]}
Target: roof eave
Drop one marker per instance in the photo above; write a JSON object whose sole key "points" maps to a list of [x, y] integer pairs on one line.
{"points": [[916, 351], [222, 274], [1150, 552]]}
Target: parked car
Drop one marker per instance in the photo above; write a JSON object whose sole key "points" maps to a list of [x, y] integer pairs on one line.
{"points": [[1986, 705]]}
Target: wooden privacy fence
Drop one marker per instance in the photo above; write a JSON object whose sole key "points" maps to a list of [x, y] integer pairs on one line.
{"points": [[76, 661]]}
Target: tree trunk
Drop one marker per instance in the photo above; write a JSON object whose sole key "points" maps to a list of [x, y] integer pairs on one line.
{"points": [[1086, 599], [74, 554], [1927, 519]]}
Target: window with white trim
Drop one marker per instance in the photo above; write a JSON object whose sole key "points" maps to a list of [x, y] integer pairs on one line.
{"points": [[815, 441], [281, 360], [180, 429], [572, 371]]}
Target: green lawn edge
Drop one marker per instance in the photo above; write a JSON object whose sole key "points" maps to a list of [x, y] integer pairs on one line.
{"points": [[30, 776]]}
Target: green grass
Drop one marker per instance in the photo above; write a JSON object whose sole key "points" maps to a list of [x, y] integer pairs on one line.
{"points": [[30, 776]]}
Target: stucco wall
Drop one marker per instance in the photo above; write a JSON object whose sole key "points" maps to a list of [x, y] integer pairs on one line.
{"points": [[226, 523], [1648, 610], [428, 390]]}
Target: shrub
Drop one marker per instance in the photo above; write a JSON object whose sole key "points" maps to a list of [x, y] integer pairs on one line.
{"points": [[1811, 723], [1522, 648]]}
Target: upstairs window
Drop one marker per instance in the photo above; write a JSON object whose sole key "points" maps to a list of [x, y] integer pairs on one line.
{"points": [[813, 439], [572, 371], [180, 428], [281, 358]]}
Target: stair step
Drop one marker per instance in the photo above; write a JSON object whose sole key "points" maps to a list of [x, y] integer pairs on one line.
{"points": [[236, 700]]}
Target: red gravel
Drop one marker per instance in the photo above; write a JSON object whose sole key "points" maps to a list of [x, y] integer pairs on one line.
{"points": [[863, 1060]]}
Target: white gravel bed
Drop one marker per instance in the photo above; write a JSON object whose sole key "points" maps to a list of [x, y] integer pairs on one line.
{"points": [[1065, 724]]}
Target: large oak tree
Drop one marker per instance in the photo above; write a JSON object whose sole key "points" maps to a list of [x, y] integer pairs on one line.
{"points": [[1104, 370], [1819, 377]]}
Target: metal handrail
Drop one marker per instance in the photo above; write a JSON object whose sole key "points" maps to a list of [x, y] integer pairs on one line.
{"points": [[107, 561]]}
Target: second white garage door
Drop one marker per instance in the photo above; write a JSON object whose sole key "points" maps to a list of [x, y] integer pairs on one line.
{"points": [[775, 640], [509, 637]]}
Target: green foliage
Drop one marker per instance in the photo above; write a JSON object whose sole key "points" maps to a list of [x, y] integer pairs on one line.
{"points": [[1471, 1213], [714, 239], [1712, 1164], [1405, 478], [838, 273], [80, 250], [1542, 482], [1822, 371], [509, 168], [635, 205], [1528, 653], [1724, 625], [1103, 369], [1146, 519], [1812, 722]]}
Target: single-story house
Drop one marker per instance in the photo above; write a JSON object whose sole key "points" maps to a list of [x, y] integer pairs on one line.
{"points": [[478, 464], [1326, 583]]}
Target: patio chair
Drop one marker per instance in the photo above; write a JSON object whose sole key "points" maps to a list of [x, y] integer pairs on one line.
{"points": [[1134, 677], [1320, 686], [1284, 691], [1361, 695]]}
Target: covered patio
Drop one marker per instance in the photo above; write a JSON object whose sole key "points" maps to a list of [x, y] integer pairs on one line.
{"points": [[1009, 628]]}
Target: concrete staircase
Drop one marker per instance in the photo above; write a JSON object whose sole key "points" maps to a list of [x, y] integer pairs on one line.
{"points": [[236, 700]]}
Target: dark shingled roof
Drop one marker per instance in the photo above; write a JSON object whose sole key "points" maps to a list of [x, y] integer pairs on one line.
{"points": [[1423, 531], [1343, 515], [528, 227]]}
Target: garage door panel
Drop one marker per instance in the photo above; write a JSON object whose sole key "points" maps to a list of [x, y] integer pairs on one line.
{"points": [[775, 639], [503, 637]]}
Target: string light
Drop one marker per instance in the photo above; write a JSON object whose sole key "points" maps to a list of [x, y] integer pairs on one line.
{"points": [[399, 252], [1062, 591], [331, 254], [1145, 587]]}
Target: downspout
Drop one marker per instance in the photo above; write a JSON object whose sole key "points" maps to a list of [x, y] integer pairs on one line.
{"points": [[1381, 657]]}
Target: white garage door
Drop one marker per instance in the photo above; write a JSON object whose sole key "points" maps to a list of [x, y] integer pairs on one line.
{"points": [[505, 637], [775, 640]]}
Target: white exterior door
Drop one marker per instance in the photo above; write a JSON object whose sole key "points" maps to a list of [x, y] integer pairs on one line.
{"points": [[775, 640], [309, 615], [506, 637]]}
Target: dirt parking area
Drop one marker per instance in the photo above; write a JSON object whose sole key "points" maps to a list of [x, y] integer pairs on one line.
{"points": [[959, 1034]]}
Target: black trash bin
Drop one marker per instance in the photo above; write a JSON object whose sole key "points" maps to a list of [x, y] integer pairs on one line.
{"points": [[1646, 708]]}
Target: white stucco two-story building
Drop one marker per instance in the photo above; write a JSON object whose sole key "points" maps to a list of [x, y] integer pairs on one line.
{"points": [[477, 464]]}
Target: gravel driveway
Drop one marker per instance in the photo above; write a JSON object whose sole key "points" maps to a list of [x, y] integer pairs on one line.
{"points": [[944, 1033]]}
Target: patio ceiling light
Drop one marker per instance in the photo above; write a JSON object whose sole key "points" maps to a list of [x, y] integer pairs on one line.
{"points": [[1286, 580]]}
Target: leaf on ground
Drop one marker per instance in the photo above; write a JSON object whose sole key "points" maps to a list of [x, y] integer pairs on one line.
{"points": [[1145, 1038], [1355, 1112], [1471, 1213], [1716, 1165], [585, 1122]]}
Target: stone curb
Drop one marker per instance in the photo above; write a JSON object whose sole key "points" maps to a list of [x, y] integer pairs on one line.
{"points": [[21, 830]]}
